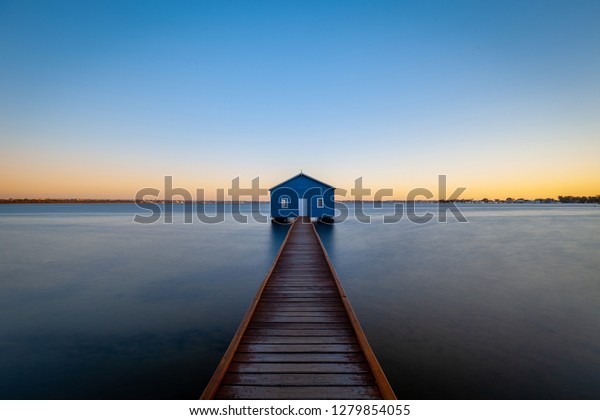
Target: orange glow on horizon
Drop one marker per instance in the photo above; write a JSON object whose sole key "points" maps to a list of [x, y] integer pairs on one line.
{"points": [[116, 186]]}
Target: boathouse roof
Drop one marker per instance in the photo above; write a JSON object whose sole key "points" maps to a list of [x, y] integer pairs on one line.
{"points": [[301, 174]]}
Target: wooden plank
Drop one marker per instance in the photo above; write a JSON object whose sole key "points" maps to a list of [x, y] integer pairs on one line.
{"points": [[283, 304], [299, 379], [309, 290], [300, 307], [305, 318], [275, 339], [300, 325], [299, 357], [294, 332], [303, 287], [299, 284], [299, 348], [332, 297], [299, 367], [298, 393], [312, 313], [304, 291], [290, 300], [298, 277], [301, 295]]}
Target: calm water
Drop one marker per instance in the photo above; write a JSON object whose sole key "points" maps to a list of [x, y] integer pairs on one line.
{"points": [[95, 306]]}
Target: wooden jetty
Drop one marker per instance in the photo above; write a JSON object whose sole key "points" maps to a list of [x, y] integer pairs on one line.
{"points": [[300, 338]]}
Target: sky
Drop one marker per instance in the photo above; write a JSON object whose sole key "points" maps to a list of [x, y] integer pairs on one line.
{"points": [[101, 99]]}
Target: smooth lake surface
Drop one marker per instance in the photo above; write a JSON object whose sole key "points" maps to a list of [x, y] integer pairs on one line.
{"points": [[95, 306]]}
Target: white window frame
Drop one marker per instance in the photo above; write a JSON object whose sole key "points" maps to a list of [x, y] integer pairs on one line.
{"points": [[320, 203], [284, 201]]}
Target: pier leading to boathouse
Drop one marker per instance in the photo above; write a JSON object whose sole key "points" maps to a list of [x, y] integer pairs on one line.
{"points": [[300, 338]]}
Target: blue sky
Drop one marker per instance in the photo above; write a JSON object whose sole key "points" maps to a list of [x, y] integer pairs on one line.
{"points": [[99, 99]]}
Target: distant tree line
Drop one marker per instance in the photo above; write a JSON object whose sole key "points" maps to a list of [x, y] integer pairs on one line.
{"points": [[561, 198], [60, 201], [577, 199]]}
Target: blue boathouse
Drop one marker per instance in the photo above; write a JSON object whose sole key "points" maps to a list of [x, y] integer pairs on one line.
{"points": [[302, 195]]}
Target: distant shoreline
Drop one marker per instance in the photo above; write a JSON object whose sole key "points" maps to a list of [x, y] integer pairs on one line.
{"points": [[561, 199]]}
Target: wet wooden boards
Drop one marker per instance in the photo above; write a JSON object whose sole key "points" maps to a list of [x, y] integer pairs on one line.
{"points": [[300, 338]]}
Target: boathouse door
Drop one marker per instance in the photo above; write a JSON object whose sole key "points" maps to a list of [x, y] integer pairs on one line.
{"points": [[302, 211]]}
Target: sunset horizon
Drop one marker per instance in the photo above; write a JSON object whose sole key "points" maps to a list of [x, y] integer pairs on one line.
{"points": [[400, 189]]}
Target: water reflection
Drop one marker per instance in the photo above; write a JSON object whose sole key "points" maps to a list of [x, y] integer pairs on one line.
{"points": [[326, 233], [278, 232]]}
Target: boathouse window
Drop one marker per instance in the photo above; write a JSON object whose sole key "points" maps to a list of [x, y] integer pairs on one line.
{"points": [[320, 202], [285, 202]]}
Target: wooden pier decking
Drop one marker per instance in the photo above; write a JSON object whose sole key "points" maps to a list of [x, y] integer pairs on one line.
{"points": [[300, 338]]}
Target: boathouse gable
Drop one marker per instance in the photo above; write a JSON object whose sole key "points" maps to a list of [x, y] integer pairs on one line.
{"points": [[302, 195]]}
